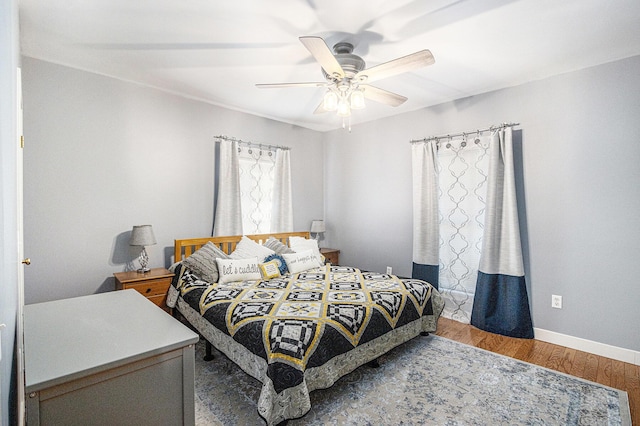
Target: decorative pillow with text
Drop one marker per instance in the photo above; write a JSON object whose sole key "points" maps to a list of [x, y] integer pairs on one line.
{"points": [[231, 270], [303, 261], [282, 264], [269, 269], [300, 244]]}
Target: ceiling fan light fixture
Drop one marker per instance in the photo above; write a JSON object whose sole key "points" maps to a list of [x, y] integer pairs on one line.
{"points": [[330, 101], [344, 110], [347, 77], [357, 99]]}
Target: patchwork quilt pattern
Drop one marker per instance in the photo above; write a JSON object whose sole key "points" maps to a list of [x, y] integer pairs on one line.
{"points": [[303, 320]]}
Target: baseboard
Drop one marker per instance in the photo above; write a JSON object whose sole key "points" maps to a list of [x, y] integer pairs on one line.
{"points": [[602, 349]]}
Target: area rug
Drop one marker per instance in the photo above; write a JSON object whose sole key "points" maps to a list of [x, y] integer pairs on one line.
{"points": [[426, 381]]}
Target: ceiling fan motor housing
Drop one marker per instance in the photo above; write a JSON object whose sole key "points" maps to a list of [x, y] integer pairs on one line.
{"points": [[351, 64]]}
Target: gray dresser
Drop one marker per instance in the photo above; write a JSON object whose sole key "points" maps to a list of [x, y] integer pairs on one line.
{"points": [[107, 359]]}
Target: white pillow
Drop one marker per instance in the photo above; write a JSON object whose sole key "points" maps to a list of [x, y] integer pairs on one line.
{"points": [[247, 248], [238, 270], [300, 244], [302, 261]]}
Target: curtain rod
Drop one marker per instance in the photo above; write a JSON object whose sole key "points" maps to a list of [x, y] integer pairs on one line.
{"points": [[455, 135], [253, 144]]}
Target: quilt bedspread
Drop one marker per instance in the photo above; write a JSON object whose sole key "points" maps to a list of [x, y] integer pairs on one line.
{"points": [[302, 322]]}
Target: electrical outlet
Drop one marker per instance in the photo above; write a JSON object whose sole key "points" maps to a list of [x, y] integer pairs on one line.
{"points": [[389, 270], [556, 301]]}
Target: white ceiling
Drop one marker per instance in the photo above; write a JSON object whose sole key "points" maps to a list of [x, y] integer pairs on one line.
{"points": [[215, 51]]}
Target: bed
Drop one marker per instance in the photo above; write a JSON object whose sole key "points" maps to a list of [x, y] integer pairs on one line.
{"points": [[301, 330]]}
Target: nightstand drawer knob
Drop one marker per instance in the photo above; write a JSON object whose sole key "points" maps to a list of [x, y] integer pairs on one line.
{"points": [[27, 261], [148, 290]]}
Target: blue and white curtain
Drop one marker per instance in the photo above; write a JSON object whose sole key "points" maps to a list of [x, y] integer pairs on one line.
{"points": [[466, 230], [426, 224], [254, 190]]}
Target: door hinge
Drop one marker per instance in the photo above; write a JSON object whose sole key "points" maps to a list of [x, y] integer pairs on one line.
{"points": [[22, 141]]}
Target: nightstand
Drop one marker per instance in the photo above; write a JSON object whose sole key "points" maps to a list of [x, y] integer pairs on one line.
{"points": [[153, 285], [331, 255]]}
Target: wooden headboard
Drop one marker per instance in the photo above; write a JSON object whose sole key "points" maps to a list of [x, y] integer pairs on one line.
{"points": [[185, 247]]}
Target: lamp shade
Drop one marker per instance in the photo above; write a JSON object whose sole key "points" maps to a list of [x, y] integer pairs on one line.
{"points": [[330, 101], [317, 226], [142, 235], [344, 110]]}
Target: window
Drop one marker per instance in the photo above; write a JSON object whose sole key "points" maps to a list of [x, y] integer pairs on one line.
{"points": [[253, 189], [257, 178]]}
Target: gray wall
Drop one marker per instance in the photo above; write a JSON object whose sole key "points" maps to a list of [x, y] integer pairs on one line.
{"points": [[103, 155], [580, 149]]}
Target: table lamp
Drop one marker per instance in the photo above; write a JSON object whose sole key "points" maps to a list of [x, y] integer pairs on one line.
{"points": [[317, 227], [142, 235]]}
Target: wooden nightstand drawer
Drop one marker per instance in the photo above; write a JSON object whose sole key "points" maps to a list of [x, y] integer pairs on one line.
{"points": [[153, 285], [160, 300]]}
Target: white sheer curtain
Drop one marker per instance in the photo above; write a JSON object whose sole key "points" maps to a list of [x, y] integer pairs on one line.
{"points": [[254, 190], [463, 169], [257, 174]]}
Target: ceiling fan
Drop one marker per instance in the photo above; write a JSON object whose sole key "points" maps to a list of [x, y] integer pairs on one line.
{"points": [[347, 80]]}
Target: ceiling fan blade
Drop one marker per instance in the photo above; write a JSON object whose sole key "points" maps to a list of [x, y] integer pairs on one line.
{"points": [[319, 49], [397, 66], [280, 85], [320, 109], [382, 96]]}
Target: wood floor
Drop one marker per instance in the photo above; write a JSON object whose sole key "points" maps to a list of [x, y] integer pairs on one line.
{"points": [[607, 371]]}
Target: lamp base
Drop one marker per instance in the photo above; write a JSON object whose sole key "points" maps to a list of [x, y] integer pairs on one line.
{"points": [[144, 261]]}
